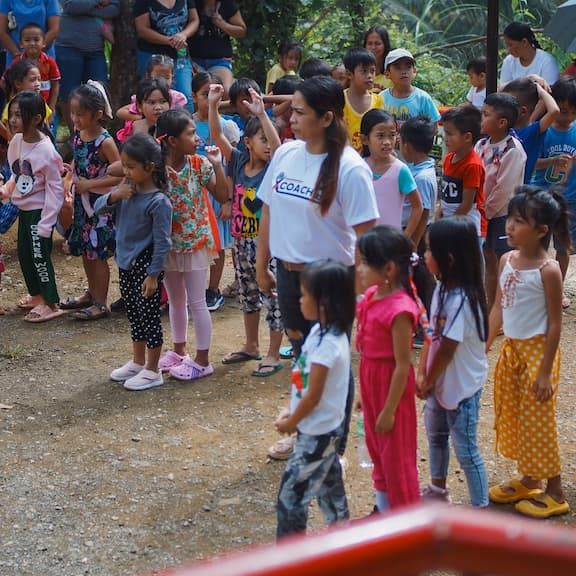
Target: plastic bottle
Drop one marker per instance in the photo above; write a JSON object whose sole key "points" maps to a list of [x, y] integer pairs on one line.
{"points": [[182, 52], [363, 455]]}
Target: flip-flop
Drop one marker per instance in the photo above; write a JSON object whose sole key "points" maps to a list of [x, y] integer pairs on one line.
{"points": [[511, 492], [73, 303], [42, 313], [239, 357], [88, 315], [28, 302], [282, 449], [550, 507], [286, 353], [265, 370]]}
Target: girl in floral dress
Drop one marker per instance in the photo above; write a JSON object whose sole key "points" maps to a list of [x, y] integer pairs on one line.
{"points": [[91, 236], [194, 239]]}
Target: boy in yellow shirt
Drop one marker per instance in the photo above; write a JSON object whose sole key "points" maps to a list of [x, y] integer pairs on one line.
{"points": [[360, 67]]}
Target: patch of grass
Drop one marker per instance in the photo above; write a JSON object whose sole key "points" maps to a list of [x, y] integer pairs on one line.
{"points": [[17, 352]]}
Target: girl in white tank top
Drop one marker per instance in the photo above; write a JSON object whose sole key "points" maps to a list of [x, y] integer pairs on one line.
{"points": [[528, 306]]}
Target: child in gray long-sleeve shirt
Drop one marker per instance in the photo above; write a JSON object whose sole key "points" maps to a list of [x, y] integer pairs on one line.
{"points": [[143, 229]]}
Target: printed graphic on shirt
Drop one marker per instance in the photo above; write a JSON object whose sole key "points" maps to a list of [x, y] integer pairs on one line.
{"points": [[555, 174], [452, 190], [400, 112], [292, 187], [24, 177], [299, 378], [246, 211]]}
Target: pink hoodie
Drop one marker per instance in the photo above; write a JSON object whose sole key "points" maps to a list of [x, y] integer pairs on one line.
{"points": [[37, 180]]}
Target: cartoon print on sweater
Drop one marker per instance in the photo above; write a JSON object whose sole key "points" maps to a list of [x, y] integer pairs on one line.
{"points": [[24, 177]]}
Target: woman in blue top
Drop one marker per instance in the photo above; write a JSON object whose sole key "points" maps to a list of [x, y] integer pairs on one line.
{"points": [[14, 14]]}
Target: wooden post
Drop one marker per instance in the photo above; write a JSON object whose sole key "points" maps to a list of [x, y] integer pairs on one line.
{"points": [[492, 47]]}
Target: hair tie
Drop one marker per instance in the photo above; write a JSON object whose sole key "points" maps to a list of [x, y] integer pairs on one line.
{"points": [[160, 139], [414, 259], [102, 90]]}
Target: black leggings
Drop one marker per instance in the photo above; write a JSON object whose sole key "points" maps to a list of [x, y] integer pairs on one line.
{"points": [[143, 313]]}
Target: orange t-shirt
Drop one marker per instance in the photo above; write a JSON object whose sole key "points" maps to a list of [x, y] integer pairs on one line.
{"points": [[468, 172]]}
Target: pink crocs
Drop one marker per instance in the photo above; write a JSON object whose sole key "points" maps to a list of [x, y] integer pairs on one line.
{"points": [[189, 370]]}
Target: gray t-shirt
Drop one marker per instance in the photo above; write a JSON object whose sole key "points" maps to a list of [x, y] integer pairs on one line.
{"points": [[81, 24], [141, 221]]}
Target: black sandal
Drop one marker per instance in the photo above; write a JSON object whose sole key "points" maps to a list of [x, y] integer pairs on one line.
{"points": [[88, 314], [73, 303]]}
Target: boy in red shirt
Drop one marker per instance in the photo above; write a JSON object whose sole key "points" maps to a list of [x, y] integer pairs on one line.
{"points": [[32, 42], [463, 178]]}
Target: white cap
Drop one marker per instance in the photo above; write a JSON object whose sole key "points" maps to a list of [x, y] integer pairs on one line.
{"points": [[397, 54]]}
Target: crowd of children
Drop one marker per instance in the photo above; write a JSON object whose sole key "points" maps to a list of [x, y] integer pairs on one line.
{"points": [[448, 267]]}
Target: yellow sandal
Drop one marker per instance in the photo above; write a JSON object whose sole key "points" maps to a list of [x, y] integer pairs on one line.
{"points": [[550, 507], [502, 495]]}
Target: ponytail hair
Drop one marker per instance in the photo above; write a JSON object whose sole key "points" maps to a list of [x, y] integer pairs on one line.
{"points": [[519, 31], [144, 149], [323, 95], [544, 208]]}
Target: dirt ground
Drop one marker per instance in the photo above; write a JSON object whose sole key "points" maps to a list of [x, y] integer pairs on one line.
{"points": [[97, 480]]}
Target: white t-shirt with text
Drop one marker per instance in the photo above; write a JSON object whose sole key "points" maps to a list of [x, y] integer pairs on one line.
{"points": [[298, 231]]}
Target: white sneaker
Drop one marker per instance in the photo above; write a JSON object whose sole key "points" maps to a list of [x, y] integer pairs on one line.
{"points": [[143, 380], [129, 370]]}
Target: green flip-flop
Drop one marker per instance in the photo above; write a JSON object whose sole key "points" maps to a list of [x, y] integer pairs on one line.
{"points": [[265, 370]]}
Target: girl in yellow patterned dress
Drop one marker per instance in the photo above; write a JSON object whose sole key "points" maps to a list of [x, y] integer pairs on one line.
{"points": [[528, 307]]}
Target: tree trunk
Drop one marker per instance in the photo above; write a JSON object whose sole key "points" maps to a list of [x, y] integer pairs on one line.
{"points": [[123, 69]]}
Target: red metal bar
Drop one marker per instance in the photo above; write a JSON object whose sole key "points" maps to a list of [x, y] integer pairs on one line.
{"points": [[417, 539]]}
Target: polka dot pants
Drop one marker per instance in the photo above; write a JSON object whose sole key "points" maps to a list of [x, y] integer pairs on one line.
{"points": [[526, 429], [143, 313]]}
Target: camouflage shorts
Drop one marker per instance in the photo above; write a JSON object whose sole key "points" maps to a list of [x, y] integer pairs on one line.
{"points": [[250, 295], [313, 471]]}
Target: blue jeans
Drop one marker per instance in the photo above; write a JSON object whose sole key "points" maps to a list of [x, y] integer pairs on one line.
{"points": [[78, 67], [462, 425], [182, 75]]}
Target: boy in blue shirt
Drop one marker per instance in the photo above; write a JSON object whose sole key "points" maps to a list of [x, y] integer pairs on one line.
{"points": [[555, 166], [533, 99], [403, 100]]}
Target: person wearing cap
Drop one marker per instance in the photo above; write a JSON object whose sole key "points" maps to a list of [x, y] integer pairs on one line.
{"points": [[403, 100]]}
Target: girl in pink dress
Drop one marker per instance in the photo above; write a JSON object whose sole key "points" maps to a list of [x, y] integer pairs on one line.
{"points": [[387, 317]]}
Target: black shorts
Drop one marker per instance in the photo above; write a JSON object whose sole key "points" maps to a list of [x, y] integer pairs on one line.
{"points": [[496, 237]]}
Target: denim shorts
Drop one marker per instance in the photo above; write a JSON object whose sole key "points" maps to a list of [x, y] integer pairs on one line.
{"points": [[208, 64], [78, 67]]}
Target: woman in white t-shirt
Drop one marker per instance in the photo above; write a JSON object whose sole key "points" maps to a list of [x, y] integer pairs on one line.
{"points": [[454, 366], [318, 196], [525, 57]]}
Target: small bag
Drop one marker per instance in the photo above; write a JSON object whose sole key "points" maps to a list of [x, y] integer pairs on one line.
{"points": [[8, 215]]}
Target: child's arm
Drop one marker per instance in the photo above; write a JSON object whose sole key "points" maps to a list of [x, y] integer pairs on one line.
{"points": [[444, 355], [265, 278], [218, 185], [287, 422], [53, 196], [468, 197], [124, 114], [415, 214], [215, 123], [495, 320], [546, 109], [115, 169], [54, 92], [256, 108], [402, 329], [101, 185], [552, 281]]}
